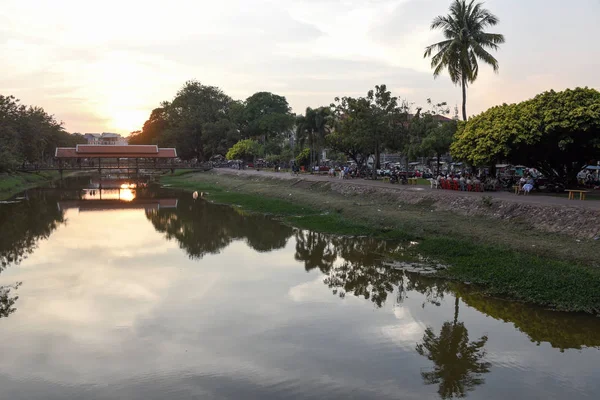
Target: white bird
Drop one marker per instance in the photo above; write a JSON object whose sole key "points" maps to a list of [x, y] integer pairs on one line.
{"points": [[195, 195]]}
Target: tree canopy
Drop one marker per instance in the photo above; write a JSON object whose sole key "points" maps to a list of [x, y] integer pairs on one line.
{"points": [[267, 115], [29, 134], [245, 149], [555, 132], [312, 128], [365, 126], [202, 121]]}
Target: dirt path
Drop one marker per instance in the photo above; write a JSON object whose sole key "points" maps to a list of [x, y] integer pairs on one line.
{"points": [[504, 196]]}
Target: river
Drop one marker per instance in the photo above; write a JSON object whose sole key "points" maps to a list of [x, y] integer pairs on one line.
{"points": [[140, 292]]}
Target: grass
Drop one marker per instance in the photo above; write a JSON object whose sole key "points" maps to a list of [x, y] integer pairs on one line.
{"points": [[557, 284], [546, 269], [13, 183]]}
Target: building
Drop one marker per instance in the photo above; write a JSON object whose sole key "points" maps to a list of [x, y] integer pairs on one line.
{"points": [[105, 139]]}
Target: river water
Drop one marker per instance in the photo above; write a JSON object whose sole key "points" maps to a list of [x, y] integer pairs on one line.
{"points": [[134, 292]]}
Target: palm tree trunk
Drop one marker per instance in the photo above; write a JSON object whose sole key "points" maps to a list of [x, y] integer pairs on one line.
{"points": [[464, 97], [456, 304]]}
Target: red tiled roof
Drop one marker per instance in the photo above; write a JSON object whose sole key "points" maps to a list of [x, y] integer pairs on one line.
{"points": [[133, 151], [101, 149], [65, 152], [167, 153]]}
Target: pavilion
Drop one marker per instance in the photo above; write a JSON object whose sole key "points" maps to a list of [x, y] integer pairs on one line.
{"points": [[116, 156]]}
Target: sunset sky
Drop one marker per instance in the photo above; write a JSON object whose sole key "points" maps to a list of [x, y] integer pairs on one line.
{"points": [[103, 66]]}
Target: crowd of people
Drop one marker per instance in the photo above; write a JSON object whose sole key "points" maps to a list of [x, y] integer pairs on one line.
{"points": [[464, 182]]}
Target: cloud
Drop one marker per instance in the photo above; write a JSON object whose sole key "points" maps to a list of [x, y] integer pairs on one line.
{"points": [[100, 76]]}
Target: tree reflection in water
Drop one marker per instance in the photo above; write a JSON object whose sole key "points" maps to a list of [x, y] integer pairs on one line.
{"points": [[8, 300], [458, 363], [355, 266], [23, 224], [202, 228]]}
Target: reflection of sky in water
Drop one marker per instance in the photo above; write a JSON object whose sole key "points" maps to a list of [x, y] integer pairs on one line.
{"points": [[110, 309]]}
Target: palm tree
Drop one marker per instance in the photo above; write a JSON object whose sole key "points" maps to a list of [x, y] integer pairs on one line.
{"points": [[466, 43], [322, 123], [305, 130], [313, 126]]}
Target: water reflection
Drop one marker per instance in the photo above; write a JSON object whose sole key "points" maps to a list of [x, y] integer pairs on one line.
{"points": [[22, 225], [356, 266], [317, 303], [202, 228], [458, 363], [8, 299]]}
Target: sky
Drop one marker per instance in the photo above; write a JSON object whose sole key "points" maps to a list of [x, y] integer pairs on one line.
{"points": [[103, 66]]}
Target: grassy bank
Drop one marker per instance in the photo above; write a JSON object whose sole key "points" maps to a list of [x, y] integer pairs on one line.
{"points": [[13, 183], [505, 258]]}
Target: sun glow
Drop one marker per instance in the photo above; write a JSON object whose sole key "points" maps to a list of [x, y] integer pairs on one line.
{"points": [[129, 120], [127, 195]]}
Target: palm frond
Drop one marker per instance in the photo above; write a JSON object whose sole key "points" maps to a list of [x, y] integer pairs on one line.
{"points": [[480, 53]]}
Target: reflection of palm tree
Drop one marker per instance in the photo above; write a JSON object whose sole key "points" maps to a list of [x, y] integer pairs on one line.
{"points": [[458, 363]]}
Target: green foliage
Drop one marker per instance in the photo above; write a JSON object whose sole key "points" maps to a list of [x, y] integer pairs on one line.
{"points": [[152, 130], [202, 121], [267, 116], [466, 42], [430, 133], [29, 134], [287, 154], [563, 285], [15, 182], [194, 115], [244, 150], [438, 140], [312, 128], [555, 132], [303, 158], [365, 126]]}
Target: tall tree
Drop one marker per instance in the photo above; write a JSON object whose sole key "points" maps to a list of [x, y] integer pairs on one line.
{"points": [[366, 126], [313, 127], [466, 43], [192, 115], [267, 116]]}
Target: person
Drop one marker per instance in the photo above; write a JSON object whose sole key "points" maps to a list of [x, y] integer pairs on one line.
{"points": [[528, 186]]}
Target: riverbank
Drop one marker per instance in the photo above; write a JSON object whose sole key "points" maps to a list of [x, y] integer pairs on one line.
{"points": [[13, 183], [506, 258]]}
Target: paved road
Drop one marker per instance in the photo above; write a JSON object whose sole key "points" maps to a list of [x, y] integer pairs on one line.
{"points": [[505, 196]]}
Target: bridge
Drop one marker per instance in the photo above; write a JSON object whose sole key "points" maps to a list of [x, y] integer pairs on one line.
{"points": [[109, 157]]}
